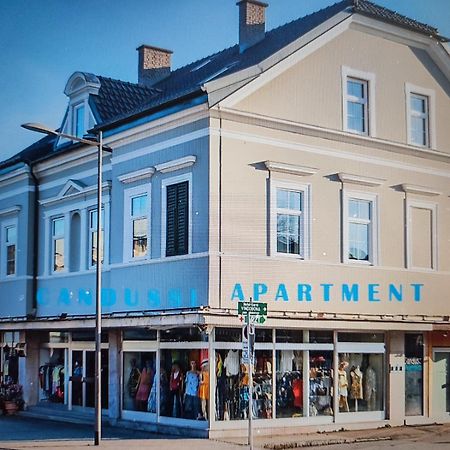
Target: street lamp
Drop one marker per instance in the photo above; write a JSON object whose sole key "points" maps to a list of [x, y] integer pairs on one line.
{"points": [[97, 141]]}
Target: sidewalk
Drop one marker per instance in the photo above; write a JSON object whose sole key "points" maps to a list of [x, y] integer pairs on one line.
{"points": [[416, 433]]}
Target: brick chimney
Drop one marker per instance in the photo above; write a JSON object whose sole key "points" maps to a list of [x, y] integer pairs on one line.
{"points": [[252, 22], [154, 64]]}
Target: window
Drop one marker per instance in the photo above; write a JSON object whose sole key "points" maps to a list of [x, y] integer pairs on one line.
{"points": [[78, 120], [360, 228], [357, 114], [137, 225], [58, 244], [358, 101], [420, 116], [290, 220], [177, 219], [93, 237], [419, 120], [10, 245]]}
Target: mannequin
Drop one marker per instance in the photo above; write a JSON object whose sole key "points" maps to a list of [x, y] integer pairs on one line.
{"points": [[143, 388], [175, 390], [343, 386], [191, 400], [203, 391], [356, 390]]}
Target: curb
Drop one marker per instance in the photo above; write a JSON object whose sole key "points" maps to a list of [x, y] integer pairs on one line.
{"points": [[318, 443]]}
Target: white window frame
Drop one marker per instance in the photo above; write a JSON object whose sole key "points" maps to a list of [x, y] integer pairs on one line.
{"points": [[3, 252], [370, 112], [305, 189], [75, 109], [128, 222], [53, 239], [374, 240], [430, 95], [168, 182], [410, 204], [92, 230]]}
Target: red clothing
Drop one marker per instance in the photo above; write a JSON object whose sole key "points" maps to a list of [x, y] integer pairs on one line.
{"points": [[297, 390]]}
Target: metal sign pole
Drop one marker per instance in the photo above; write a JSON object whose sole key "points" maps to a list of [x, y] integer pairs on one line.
{"points": [[250, 380]]}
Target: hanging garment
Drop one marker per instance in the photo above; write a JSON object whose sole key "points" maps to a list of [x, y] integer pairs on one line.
{"points": [[297, 391], [133, 381], [356, 387], [144, 385], [231, 363], [151, 404], [192, 383], [203, 391], [342, 383], [287, 356], [370, 385]]}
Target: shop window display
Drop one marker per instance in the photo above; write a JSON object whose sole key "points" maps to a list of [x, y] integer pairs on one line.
{"points": [[360, 382], [139, 379], [51, 376], [289, 383], [232, 385], [184, 384], [320, 383]]}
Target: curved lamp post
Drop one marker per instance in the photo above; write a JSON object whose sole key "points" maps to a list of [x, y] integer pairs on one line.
{"points": [[97, 141]]}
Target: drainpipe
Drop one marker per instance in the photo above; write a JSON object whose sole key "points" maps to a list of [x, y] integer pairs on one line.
{"points": [[35, 239]]}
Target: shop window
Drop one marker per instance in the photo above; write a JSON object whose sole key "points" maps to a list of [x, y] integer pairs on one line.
{"points": [[139, 334], [320, 337], [52, 375], [88, 336], [184, 384], [232, 381], [228, 334], [361, 337], [263, 335], [58, 337], [320, 383], [289, 336], [360, 382], [192, 334], [414, 354], [289, 383], [139, 390]]}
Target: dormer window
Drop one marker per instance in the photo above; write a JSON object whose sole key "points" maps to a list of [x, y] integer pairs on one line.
{"points": [[79, 128]]}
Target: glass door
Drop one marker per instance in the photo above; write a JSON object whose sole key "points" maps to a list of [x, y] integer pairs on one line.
{"points": [[441, 383], [83, 378]]}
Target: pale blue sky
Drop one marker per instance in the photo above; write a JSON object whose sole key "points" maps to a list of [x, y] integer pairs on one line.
{"points": [[42, 42]]}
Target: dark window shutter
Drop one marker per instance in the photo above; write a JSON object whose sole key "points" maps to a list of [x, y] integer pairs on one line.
{"points": [[177, 222]]}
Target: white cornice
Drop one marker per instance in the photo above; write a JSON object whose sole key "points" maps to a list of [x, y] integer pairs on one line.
{"points": [[360, 179], [10, 211], [327, 133], [137, 175], [14, 176], [86, 191], [292, 169], [421, 190], [176, 164]]}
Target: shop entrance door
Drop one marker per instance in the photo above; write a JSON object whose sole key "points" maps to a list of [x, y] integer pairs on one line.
{"points": [[83, 378], [441, 383]]}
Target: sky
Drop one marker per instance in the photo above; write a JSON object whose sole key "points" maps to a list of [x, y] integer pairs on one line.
{"points": [[42, 42]]}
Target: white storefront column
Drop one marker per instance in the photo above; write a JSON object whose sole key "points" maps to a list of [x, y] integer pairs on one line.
{"points": [[396, 378]]}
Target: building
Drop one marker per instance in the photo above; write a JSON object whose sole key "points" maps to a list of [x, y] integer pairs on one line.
{"points": [[307, 167]]}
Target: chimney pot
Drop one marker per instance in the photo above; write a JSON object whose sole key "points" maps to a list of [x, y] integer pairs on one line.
{"points": [[154, 64], [252, 23]]}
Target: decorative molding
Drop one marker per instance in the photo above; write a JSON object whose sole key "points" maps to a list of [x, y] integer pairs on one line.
{"points": [[86, 191], [360, 179], [137, 175], [176, 164], [10, 211], [421, 190], [302, 171], [71, 184]]}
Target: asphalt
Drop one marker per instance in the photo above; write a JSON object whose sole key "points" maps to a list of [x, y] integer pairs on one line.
{"points": [[18, 432]]}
